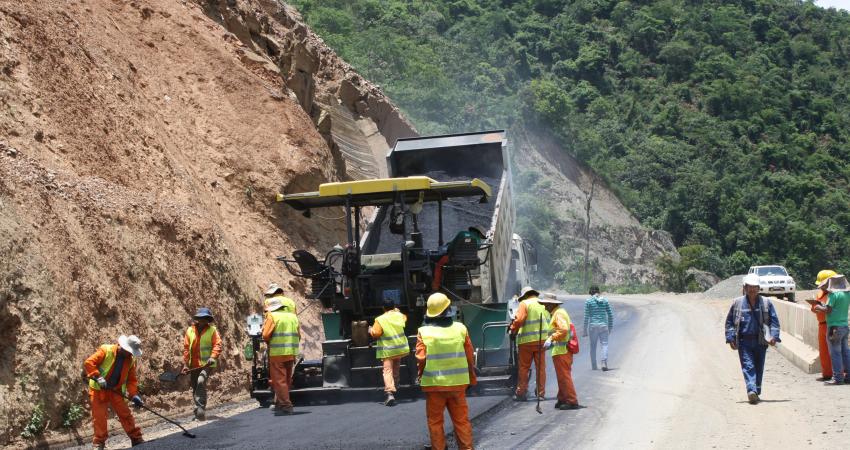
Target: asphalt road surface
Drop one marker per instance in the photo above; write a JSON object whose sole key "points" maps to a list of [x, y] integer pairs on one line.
{"points": [[372, 425]]}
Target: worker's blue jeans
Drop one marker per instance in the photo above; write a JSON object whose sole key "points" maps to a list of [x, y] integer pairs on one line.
{"points": [[752, 356], [840, 354], [598, 333]]}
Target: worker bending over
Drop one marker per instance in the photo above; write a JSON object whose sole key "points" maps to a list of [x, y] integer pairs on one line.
{"points": [[112, 376], [446, 365], [201, 349], [530, 328], [561, 357], [283, 336], [388, 329]]}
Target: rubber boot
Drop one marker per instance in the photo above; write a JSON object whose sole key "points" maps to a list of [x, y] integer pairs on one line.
{"points": [[135, 442]]}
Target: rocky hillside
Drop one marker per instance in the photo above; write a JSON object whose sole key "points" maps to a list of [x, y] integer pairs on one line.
{"points": [[141, 144], [622, 252]]}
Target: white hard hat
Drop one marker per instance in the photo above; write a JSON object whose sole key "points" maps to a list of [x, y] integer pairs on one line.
{"points": [[751, 280]]}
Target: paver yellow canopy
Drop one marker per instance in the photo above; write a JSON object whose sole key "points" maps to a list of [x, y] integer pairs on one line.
{"points": [[385, 191]]}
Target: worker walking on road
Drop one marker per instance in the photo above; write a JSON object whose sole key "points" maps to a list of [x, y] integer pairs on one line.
{"points": [[446, 364], [561, 356], [201, 349], [751, 326], [112, 372], [283, 336], [598, 322], [530, 328], [823, 346], [836, 309], [388, 329]]}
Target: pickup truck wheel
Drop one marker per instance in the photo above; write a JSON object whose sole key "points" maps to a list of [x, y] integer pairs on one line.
{"points": [[790, 298]]}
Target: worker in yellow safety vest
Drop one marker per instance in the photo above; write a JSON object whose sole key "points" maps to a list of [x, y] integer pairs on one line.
{"points": [[446, 365], [201, 349], [530, 328], [283, 337], [561, 333], [112, 376], [392, 346]]}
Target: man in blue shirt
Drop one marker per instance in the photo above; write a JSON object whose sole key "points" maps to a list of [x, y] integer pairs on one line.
{"points": [[751, 326]]}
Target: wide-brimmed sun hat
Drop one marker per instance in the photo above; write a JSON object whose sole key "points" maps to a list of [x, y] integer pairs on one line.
{"points": [[132, 344]]}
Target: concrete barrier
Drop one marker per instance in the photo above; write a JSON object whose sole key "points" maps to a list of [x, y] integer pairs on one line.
{"points": [[799, 332]]}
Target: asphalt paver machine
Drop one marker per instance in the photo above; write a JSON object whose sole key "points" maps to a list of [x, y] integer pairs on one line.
{"points": [[442, 222]]}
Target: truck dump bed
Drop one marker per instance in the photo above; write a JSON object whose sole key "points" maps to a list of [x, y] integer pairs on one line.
{"points": [[449, 158]]}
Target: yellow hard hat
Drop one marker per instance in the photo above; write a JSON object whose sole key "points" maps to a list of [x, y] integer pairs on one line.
{"points": [[824, 275], [437, 303]]}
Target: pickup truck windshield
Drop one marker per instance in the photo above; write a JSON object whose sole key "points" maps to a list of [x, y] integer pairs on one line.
{"points": [[771, 270]]}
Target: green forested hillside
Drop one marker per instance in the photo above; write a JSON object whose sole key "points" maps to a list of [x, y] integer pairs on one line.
{"points": [[726, 123]]}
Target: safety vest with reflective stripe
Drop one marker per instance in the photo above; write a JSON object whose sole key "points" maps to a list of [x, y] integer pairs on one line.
{"points": [[560, 347], [205, 346], [285, 338], [392, 342], [445, 357], [106, 366], [536, 325]]}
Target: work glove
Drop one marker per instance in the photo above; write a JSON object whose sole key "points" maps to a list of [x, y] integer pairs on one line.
{"points": [[211, 362], [548, 344], [101, 382], [137, 401]]}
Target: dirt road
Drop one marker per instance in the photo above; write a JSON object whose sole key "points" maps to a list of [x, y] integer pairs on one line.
{"points": [[674, 384]]}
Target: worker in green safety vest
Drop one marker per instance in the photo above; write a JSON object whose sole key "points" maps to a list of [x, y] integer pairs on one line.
{"points": [[444, 357], [201, 349], [282, 334], [530, 328], [392, 346]]}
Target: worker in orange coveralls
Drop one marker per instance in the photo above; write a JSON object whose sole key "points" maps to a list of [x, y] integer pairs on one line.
{"points": [[388, 330], [562, 359], [445, 359], [201, 349], [823, 348], [530, 328], [113, 367], [282, 334]]}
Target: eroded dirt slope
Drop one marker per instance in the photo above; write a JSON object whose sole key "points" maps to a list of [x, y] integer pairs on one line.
{"points": [[141, 144]]}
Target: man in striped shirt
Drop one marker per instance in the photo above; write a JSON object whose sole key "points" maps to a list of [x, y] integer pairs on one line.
{"points": [[598, 322]]}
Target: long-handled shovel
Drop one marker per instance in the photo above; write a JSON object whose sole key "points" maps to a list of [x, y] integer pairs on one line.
{"points": [[171, 376], [541, 362], [185, 431]]}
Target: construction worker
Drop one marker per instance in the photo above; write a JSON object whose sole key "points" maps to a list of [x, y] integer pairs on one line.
{"points": [[561, 357], [530, 328], [112, 376], [275, 291], [201, 349], [752, 325], [283, 337], [836, 309], [388, 329], [823, 347], [446, 364]]}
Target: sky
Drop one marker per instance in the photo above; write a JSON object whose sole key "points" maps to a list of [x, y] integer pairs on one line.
{"points": [[837, 4]]}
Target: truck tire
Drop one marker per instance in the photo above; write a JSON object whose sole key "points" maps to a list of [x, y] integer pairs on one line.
{"points": [[791, 298]]}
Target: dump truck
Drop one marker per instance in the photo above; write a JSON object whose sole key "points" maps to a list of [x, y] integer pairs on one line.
{"points": [[443, 221]]}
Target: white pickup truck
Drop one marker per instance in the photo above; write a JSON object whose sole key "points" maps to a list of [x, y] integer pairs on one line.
{"points": [[775, 281]]}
